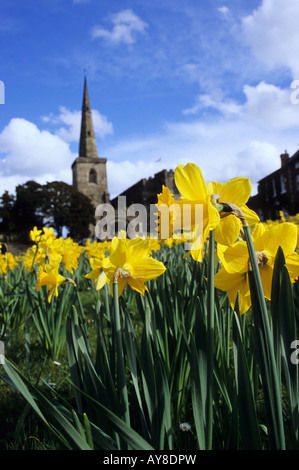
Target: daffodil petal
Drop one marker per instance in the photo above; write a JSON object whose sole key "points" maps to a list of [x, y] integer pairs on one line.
{"points": [[227, 230], [292, 262], [251, 217], [234, 258], [237, 191], [101, 281], [232, 284], [147, 269], [137, 285], [284, 235], [190, 182], [266, 273]]}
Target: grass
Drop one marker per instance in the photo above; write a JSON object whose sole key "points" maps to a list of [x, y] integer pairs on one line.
{"points": [[32, 435], [176, 300]]}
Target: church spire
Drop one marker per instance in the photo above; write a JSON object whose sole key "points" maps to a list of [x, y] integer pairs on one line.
{"points": [[87, 147]]}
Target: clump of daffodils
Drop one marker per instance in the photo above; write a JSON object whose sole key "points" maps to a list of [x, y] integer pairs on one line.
{"points": [[7, 260], [48, 248], [54, 257]]}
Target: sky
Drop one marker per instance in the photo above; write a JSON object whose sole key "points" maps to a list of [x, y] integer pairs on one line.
{"points": [[212, 82]]}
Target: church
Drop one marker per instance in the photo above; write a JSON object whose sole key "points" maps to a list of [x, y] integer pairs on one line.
{"points": [[90, 172]]}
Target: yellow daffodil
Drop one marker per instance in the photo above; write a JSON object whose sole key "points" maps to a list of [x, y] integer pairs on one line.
{"points": [[98, 274], [3, 264], [96, 249], [236, 192], [48, 276], [48, 233], [35, 234], [233, 275], [7, 262], [169, 215], [130, 263], [194, 193], [11, 261]]}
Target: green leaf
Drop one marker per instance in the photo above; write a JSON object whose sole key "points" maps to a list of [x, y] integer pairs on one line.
{"points": [[247, 412]]}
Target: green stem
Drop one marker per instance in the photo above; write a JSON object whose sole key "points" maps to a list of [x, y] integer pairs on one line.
{"points": [[121, 373], [210, 340], [265, 347]]}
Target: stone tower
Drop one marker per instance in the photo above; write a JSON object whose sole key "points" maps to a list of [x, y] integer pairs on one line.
{"points": [[89, 171]]}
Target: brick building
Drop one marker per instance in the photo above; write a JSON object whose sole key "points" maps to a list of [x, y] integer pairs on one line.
{"points": [[278, 191], [145, 191]]}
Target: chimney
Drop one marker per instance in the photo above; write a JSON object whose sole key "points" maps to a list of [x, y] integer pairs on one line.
{"points": [[284, 158]]}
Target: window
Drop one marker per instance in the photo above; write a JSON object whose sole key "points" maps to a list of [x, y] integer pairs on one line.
{"points": [[93, 176], [274, 188], [266, 191], [297, 182], [282, 183]]}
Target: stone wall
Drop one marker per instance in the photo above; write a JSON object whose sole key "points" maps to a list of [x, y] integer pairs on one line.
{"points": [[90, 178]]}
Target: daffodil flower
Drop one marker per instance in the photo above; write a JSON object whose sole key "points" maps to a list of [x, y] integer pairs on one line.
{"points": [[48, 276], [35, 234], [214, 198], [130, 263], [233, 275], [167, 207], [235, 192], [98, 274], [194, 192], [7, 261]]}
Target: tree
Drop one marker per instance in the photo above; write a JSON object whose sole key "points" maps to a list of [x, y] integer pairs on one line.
{"points": [[27, 210], [55, 204], [7, 226], [64, 206]]}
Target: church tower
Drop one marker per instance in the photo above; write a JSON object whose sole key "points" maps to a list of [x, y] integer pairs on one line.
{"points": [[89, 171]]}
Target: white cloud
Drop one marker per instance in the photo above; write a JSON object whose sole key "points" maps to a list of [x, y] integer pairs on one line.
{"points": [[70, 123], [265, 104], [126, 25], [31, 153], [272, 33], [225, 11], [222, 148], [226, 107], [270, 106]]}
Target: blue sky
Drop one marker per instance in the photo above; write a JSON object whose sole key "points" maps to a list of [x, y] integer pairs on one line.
{"points": [[170, 82]]}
